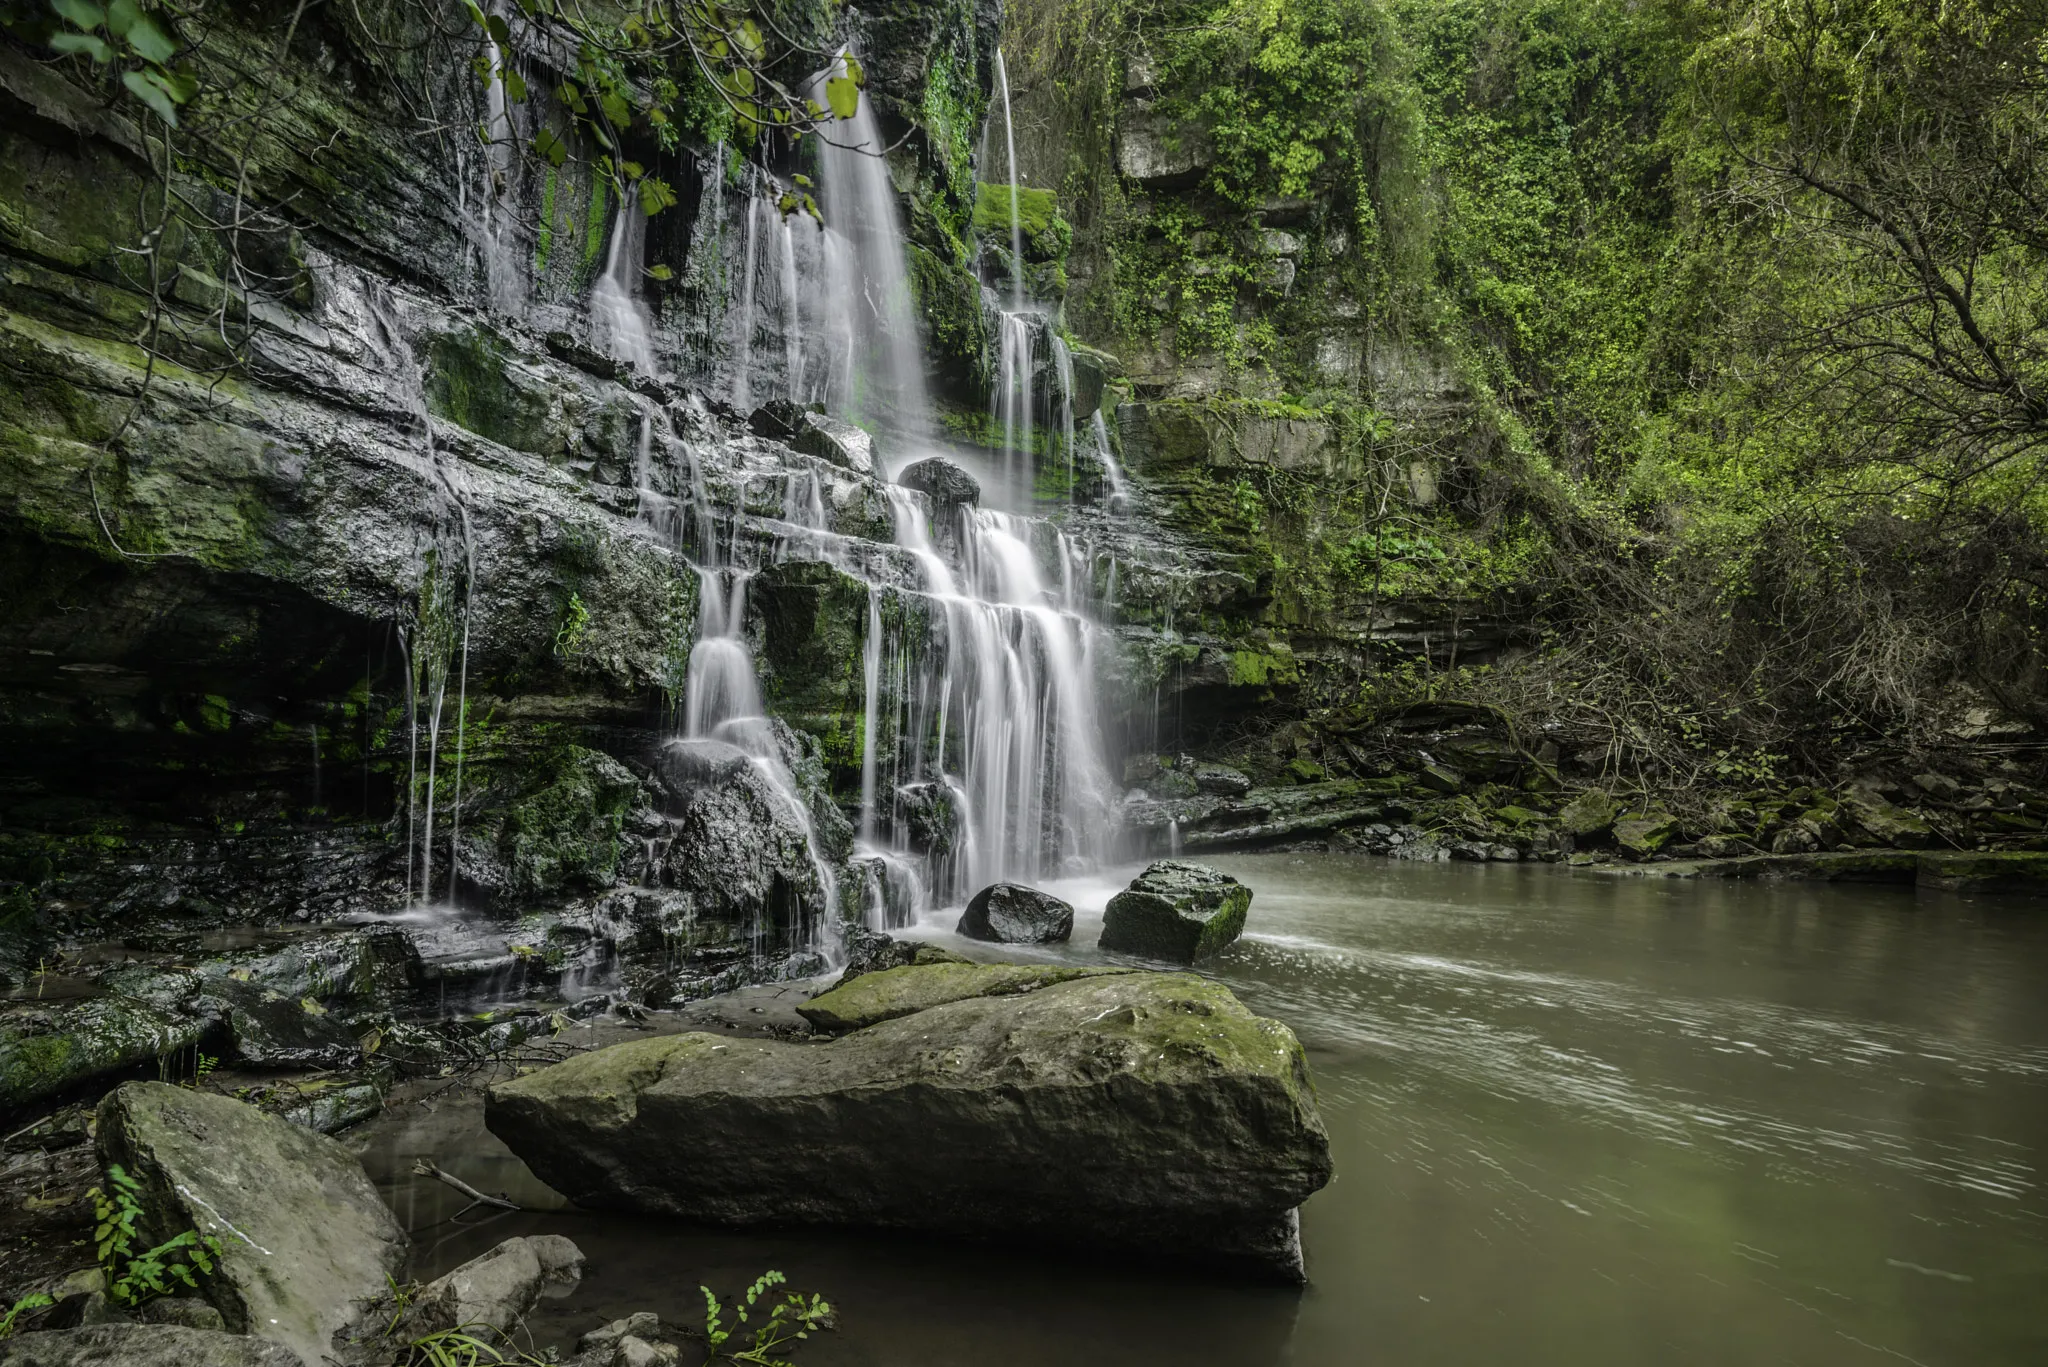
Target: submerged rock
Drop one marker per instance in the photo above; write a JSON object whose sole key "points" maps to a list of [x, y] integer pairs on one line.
{"points": [[1177, 911], [941, 481], [925, 983], [305, 1240], [1141, 1111], [1013, 914], [144, 1345]]}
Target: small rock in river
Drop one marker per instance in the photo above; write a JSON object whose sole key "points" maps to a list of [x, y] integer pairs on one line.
{"points": [[1013, 914]]}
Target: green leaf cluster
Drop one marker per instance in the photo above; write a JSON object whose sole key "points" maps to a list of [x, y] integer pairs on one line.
{"points": [[126, 37], [789, 1320], [138, 1275]]}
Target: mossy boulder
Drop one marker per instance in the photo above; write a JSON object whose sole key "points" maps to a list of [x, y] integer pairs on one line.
{"points": [[1890, 825], [565, 832], [1177, 911], [1046, 235], [813, 621], [47, 1047], [1642, 834], [876, 997], [1135, 1111], [1591, 813]]}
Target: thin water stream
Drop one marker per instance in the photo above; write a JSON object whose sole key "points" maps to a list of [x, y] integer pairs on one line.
{"points": [[1576, 1121]]}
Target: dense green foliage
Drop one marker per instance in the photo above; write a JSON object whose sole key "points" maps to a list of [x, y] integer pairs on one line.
{"points": [[1751, 301]]}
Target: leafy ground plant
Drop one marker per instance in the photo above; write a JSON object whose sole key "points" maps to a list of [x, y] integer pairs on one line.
{"points": [[135, 1277], [33, 1301], [787, 1321]]}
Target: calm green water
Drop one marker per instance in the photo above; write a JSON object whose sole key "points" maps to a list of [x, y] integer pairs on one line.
{"points": [[1576, 1121]]}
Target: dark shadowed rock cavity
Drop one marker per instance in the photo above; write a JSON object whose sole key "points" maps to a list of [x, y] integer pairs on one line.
{"points": [[1141, 1111], [1176, 911], [1012, 914]]}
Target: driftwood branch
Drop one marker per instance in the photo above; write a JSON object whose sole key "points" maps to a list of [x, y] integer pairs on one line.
{"points": [[422, 1168]]}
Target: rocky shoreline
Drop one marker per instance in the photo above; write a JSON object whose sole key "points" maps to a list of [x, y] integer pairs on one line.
{"points": [[1116, 1108]]}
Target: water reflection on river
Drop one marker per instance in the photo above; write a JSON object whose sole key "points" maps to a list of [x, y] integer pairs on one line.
{"points": [[1576, 1121]]}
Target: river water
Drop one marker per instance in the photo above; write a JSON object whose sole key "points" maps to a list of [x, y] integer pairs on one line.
{"points": [[1576, 1120]]}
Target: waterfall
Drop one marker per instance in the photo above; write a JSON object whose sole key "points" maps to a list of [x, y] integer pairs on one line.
{"points": [[1063, 374], [982, 756], [1016, 219], [860, 203], [504, 281], [618, 316], [792, 324], [1012, 400], [723, 703], [436, 642], [1119, 491], [742, 375]]}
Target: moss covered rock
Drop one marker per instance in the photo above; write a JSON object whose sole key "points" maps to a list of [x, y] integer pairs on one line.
{"points": [[1642, 834], [1178, 911], [1590, 813], [47, 1047], [876, 997], [565, 832], [1140, 1111]]}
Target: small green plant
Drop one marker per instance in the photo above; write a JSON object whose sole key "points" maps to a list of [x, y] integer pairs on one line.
{"points": [[202, 1068], [33, 1301], [575, 620], [134, 1278], [456, 1347], [789, 1320]]}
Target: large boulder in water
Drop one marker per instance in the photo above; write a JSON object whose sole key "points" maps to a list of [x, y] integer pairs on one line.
{"points": [[305, 1241], [941, 481], [1140, 1111], [1012, 914], [1176, 911]]}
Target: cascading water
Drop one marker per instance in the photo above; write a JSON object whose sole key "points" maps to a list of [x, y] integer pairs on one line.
{"points": [[860, 203], [792, 322], [438, 641], [743, 370], [504, 281], [1119, 491], [1016, 218], [618, 316]]}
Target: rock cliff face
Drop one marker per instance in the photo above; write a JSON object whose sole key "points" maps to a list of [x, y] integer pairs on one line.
{"points": [[349, 567]]}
